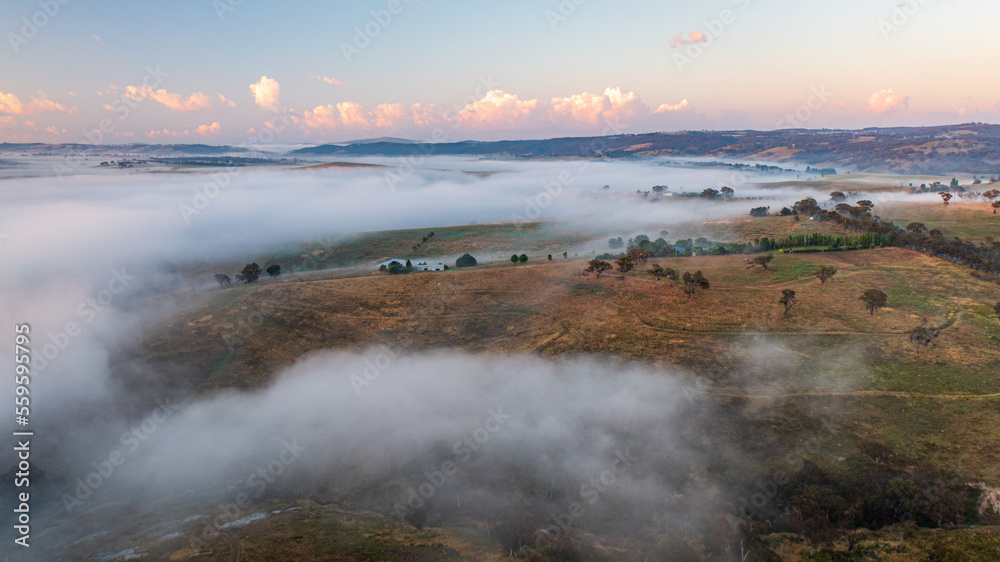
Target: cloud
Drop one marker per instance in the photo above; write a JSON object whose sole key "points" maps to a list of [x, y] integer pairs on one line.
{"points": [[888, 101], [693, 37], [201, 130], [333, 81], [675, 107], [197, 101], [498, 110], [98, 39], [10, 104], [266, 93]]}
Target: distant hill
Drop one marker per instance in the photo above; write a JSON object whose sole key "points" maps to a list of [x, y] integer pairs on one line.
{"points": [[102, 149], [972, 148]]}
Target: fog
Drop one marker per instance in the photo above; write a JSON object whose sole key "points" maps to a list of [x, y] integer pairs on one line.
{"points": [[82, 253]]}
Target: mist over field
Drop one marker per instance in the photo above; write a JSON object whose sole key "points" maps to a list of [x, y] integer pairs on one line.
{"points": [[536, 447]]}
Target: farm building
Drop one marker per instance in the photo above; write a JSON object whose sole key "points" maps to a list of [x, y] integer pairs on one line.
{"points": [[430, 267]]}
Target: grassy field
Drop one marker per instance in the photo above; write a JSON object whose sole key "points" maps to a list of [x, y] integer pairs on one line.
{"points": [[829, 358], [966, 220], [828, 346]]}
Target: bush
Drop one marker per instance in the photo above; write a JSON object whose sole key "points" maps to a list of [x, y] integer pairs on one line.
{"points": [[466, 261]]}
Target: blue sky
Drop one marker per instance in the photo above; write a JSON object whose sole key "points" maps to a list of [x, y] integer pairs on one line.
{"points": [[488, 69]]}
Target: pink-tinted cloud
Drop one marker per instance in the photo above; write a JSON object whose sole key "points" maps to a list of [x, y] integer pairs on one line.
{"points": [[197, 101], [10, 104], [664, 107], [328, 80], [199, 131], [499, 110], [693, 37], [266, 93], [888, 101]]}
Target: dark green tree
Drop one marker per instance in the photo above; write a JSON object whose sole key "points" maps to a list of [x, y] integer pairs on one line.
{"points": [[825, 273], [251, 272], [522, 258], [466, 261], [274, 270], [693, 282], [763, 260], [223, 280], [874, 299], [513, 258], [787, 299], [625, 264], [597, 267]]}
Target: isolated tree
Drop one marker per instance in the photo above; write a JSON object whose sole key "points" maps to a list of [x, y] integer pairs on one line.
{"points": [[760, 212], [550, 257], [788, 300], [223, 280], [251, 272], [638, 255], [597, 267], [693, 282], [710, 193], [274, 270], [659, 273], [565, 255], [991, 194], [625, 264], [924, 335], [727, 192], [522, 258], [953, 184], [664, 233], [763, 260], [996, 205], [825, 273], [874, 299], [513, 258], [838, 196], [616, 243], [945, 196], [466, 261], [916, 227]]}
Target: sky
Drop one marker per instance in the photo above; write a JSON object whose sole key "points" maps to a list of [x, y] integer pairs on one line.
{"points": [[253, 72]]}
